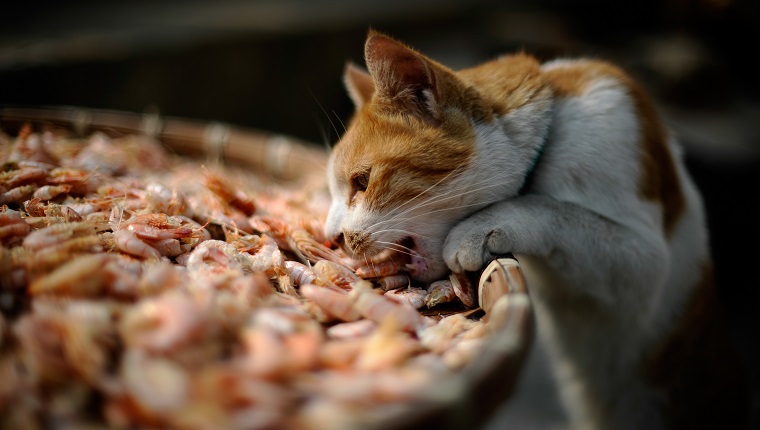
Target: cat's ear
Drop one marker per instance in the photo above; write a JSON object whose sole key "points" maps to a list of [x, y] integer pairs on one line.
{"points": [[403, 77], [358, 83]]}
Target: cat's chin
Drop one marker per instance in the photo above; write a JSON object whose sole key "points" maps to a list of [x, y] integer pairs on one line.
{"points": [[433, 272]]}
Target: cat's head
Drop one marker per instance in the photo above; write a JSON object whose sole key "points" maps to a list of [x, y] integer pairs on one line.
{"points": [[408, 166]]}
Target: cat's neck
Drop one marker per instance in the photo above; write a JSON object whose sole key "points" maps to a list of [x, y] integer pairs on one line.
{"points": [[510, 148]]}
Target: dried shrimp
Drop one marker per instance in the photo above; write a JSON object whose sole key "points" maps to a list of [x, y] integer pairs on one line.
{"points": [[141, 289]]}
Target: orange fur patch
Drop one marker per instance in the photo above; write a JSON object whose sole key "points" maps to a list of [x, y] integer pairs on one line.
{"points": [[508, 82]]}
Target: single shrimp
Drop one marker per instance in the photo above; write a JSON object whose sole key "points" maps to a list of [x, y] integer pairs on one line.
{"points": [[34, 207], [199, 231], [334, 302], [218, 256], [127, 241], [440, 292], [353, 329], [464, 289], [330, 273], [18, 194], [377, 307], [414, 296], [315, 228], [301, 273], [375, 270], [68, 214], [387, 267], [275, 228], [13, 228], [267, 259], [393, 282], [148, 232], [81, 181], [167, 247], [58, 252], [49, 192], [235, 198], [57, 233], [165, 200], [80, 277], [23, 176], [309, 249]]}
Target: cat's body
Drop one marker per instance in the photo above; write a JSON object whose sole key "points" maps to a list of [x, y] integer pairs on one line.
{"points": [[567, 166]]}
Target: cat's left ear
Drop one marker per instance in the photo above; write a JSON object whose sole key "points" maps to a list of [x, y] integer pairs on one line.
{"points": [[358, 84], [403, 77]]}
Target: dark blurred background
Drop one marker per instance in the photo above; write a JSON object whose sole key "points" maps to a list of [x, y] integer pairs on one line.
{"points": [[277, 66]]}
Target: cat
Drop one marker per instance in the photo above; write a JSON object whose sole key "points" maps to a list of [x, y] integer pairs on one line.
{"points": [[567, 165]]}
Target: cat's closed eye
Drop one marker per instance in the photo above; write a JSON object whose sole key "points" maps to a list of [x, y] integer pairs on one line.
{"points": [[359, 183]]}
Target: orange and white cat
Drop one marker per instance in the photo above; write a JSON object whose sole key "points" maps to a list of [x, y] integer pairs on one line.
{"points": [[566, 165]]}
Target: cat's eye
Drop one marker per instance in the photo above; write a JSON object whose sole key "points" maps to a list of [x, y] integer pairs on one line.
{"points": [[360, 182]]}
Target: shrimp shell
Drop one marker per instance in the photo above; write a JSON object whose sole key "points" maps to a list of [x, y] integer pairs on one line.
{"points": [[128, 242], [334, 302], [57, 233], [49, 192], [378, 308], [353, 329], [81, 276], [12, 228], [414, 296], [330, 273], [300, 240], [18, 194], [301, 273], [24, 176], [393, 282], [440, 292], [376, 270], [228, 194], [464, 289]]}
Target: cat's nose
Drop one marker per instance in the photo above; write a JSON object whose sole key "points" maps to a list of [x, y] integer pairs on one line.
{"points": [[338, 239], [356, 241]]}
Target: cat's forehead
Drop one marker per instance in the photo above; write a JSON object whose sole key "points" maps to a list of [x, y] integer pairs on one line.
{"points": [[377, 140]]}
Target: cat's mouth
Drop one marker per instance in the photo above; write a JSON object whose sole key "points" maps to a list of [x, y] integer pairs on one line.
{"points": [[404, 253], [416, 264]]}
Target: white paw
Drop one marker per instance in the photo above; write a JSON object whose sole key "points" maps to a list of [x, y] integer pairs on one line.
{"points": [[473, 243]]}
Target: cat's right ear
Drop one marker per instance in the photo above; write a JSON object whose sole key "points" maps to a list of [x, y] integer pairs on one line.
{"points": [[358, 83]]}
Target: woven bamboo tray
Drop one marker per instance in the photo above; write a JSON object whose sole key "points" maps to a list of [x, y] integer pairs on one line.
{"points": [[466, 400]]}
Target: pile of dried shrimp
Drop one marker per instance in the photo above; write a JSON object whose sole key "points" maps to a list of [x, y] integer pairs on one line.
{"points": [[142, 289]]}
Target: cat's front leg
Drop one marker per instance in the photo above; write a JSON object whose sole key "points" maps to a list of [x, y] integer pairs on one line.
{"points": [[586, 248], [510, 226]]}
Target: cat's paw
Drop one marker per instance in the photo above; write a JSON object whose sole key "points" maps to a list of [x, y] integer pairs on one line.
{"points": [[473, 243]]}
